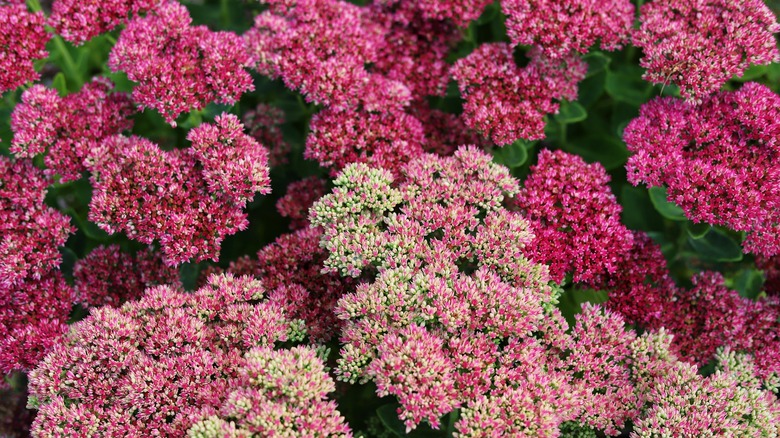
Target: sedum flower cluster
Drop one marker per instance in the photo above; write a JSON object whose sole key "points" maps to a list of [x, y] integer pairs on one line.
{"points": [[187, 199], [35, 299], [717, 159], [174, 363]]}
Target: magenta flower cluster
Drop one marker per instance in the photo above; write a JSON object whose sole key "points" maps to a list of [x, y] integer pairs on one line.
{"points": [[186, 199], [35, 300], [560, 27], [180, 67], [107, 276], [699, 45], [505, 102], [574, 216], [280, 393], [717, 160], [447, 284], [66, 129], [78, 21], [23, 39], [158, 365]]}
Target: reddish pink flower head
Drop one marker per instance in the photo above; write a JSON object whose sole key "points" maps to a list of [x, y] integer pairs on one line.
{"points": [[560, 27], [158, 365], [78, 21], [575, 217], [188, 200], [386, 140], [23, 39], [179, 67], [717, 160], [699, 44], [109, 277], [506, 102], [67, 128]]}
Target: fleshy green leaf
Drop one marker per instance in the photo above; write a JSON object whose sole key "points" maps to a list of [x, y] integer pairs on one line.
{"points": [[667, 209], [752, 73], [571, 112], [597, 63], [717, 246], [627, 86], [748, 283], [513, 155], [698, 231], [188, 273], [59, 84], [389, 416], [638, 211]]}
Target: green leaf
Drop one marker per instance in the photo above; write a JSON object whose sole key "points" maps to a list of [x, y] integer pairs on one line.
{"points": [[490, 13], [667, 209], [59, 84], [513, 155], [627, 86], [571, 112], [194, 118], [638, 211], [570, 302], [748, 283], [752, 73], [69, 259], [697, 231], [717, 246], [389, 416], [188, 273], [591, 89], [89, 228], [597, 63], [606, 149]]}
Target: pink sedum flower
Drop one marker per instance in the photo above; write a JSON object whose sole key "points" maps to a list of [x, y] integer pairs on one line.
{"points": [[449, 278], [157, 365], [31, 230], [771, 268], [67, 128], [328, 70], [79, 21], [574, 216], [32, 320], [716, 159], [415, 45], [460, 12], [281, 393], [23, 39], [291, 268], [387, 140], [560, 27], [179, 67], [642, 286], [171, 196], [702, 319], [444, 132], [300, 196], [233, 164], [109, 277], [412, 365], [506, 102], [699, 44], [678, 401], [34, 297], [600, 351], [264, 124]]}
